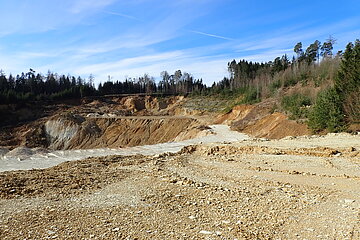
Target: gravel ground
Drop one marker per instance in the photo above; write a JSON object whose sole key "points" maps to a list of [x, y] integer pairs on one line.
{"points": [[302, 188]]}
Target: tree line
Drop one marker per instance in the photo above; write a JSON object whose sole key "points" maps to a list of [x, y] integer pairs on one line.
{"points": [[254, 74], [32, 86], [35, 86], [177, 83], [336, 106], [339, 105], [243, 74]]}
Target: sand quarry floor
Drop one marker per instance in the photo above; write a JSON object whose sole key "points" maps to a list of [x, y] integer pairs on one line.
{"points": [[222, 188]]}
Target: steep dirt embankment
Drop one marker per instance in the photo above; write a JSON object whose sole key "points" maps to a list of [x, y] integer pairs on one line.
{"points": [[76, 132], [258, 121], [76, 125], [118, 121], [276, 126]]}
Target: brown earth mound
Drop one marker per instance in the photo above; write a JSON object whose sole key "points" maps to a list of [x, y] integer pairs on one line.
{"points": [[238, 112], [258, 121], [276, 126], [120, 121], [147, 105], [129, 106]]}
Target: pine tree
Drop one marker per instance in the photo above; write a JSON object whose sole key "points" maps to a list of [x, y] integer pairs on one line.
{"points": [[327, 47], [347, 82], [312, 52], [299, 51]]}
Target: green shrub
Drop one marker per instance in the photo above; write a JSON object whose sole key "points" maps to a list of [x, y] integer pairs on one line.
{"points": [[296, 105], [327, 112], [251, 96], [292, 81], [274, 86]]}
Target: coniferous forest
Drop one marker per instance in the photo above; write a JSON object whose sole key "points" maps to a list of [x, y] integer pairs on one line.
{"points": [[337, 74]]}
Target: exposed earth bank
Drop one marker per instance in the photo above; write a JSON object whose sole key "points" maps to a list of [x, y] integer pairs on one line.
{"points": [[80, 133], [134, 120]]}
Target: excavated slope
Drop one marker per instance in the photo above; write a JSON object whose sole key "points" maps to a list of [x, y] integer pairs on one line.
{"points": [[76, 132], [57, 124], [117, 121], [276, 126], [258, 121]]}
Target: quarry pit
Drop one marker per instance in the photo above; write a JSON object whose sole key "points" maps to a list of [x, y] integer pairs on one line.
{"points": [[153, 168]]}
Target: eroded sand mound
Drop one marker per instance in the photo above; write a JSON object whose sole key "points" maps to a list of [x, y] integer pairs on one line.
{"points": [[258, 121], [276, 126]]}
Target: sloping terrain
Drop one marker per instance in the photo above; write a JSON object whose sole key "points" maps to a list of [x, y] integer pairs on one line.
{"points": [[258, 121], [133, 120], [295, 188], [23, 158], [276, 126], [220, 185], [84, 133], [105, 122]]}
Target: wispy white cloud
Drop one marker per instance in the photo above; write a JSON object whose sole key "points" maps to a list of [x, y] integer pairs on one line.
{"points": [[153, 32], [103, 45], [289, 37], [209, 68], [129, 63], [36, 16], [123, 15], [32, 55], [268, 55], [212, 35], [80, 6]]}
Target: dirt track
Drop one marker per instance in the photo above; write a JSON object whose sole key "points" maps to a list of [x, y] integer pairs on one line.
{"points": [[302, 188]]}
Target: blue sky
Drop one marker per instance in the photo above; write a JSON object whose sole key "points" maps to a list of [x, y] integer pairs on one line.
{"points": [[129, 38]]}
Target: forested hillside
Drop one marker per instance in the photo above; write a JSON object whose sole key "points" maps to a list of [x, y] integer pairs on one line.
{"points": [[31, 86], [315, 86]]}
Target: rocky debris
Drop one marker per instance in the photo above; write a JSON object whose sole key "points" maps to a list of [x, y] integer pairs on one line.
{"points": [[177, 196], [349, 200], [3, 151], [64, 179], [293, 188], [226, 150], [21, 153]]}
